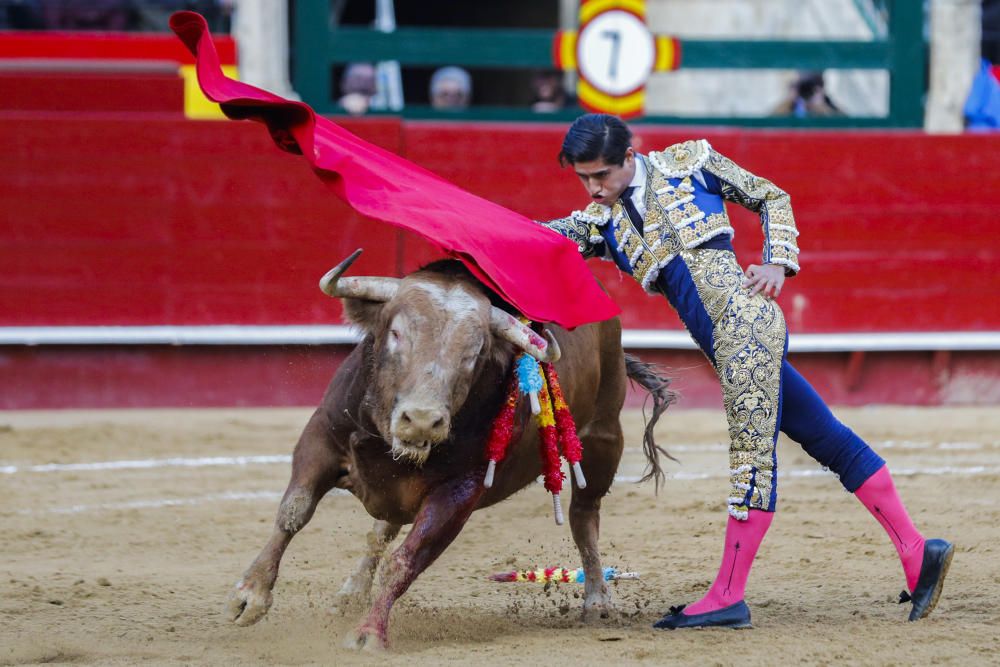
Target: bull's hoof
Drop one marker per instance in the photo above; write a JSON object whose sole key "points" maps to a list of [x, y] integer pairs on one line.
{"points": [[366, 639], [597, 613], [598, 607], [247, 605]]}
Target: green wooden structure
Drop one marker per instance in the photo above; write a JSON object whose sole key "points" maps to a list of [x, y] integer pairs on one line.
{"points": [[903, 53]]}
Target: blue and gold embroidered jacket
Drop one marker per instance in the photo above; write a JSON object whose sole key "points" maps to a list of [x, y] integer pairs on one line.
{"points": [[687, 185]]}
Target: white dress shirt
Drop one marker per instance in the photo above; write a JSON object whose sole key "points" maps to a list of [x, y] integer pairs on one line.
{"points": [[639, 182]]}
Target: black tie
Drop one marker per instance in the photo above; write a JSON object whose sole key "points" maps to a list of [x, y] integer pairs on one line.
{"points": [[630, 209]]}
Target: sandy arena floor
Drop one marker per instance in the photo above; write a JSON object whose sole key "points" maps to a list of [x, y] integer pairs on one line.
{"points": [[124, 530]]}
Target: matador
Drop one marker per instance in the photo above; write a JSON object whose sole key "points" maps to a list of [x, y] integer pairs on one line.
{"points": [[662, 219]]}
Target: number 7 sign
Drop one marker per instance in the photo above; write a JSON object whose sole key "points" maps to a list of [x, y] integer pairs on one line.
{"points": [[614, 53]]}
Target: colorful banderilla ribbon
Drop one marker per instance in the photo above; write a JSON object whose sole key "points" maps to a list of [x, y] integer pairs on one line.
{"points": [[572, 448], [556, 429], [502, 431], [559, 575], [548, 449]]}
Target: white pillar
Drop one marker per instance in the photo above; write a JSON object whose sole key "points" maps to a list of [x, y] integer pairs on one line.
{"points": [[954, 61], [260, 28]]}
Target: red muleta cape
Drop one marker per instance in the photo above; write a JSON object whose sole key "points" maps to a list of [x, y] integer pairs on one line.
{"points": [[536, 270]]}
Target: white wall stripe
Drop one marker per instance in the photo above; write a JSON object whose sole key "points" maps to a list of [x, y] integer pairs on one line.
{"points": [[181, 335], [654, 339], [344, 335]]}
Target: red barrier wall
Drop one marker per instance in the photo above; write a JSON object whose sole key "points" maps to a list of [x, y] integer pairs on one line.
{"points": [[204, 376], [90, 91], [159, 220], [140, 219], [168, 221]]}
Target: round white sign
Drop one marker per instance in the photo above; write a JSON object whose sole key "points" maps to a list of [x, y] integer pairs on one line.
{"points": [[615, 52]]}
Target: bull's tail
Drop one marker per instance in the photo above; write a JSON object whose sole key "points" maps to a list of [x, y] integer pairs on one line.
{"points": [[651, 378]]}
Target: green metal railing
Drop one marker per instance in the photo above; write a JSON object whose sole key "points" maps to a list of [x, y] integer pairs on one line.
{"points": [[903, 53]]}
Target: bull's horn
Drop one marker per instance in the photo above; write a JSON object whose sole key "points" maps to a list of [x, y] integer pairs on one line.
{"points": [[356, 287], [507, 326]]}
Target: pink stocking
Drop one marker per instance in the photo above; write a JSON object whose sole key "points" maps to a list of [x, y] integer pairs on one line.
{"points": [[742, 540], [878, 494]]}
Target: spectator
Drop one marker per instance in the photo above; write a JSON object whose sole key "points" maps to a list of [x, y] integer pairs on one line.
{"points": [[982, 107], [451, 89], [108, 15], [357, 87], [808, 97], [115, 15], [154, 15], [548, 92], [990, 43], [22, 15]]}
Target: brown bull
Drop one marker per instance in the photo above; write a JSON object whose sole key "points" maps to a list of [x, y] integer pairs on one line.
{"points": [[404, 422]]}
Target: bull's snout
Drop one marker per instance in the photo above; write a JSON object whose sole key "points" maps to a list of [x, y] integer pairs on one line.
{"points": [[416, 429], [429, 425]]}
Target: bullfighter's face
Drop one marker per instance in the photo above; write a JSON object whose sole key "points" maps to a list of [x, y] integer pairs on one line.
{"points": [[605, 182]]}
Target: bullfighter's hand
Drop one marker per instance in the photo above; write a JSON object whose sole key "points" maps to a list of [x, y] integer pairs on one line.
{"points": [[767, 279]]}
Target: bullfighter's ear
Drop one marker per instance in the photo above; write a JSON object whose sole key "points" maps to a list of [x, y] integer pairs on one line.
{"points": [[363, 313]]}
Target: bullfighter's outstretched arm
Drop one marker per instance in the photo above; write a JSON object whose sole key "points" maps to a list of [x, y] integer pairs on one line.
{"points": [[581, 227]]}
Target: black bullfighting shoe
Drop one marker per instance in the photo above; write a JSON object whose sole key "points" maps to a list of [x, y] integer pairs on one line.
{"points": [[734, 616], [933, 569]]}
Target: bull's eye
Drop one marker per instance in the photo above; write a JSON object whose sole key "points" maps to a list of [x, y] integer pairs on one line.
{"points": [[469, 361], [394, 340]]}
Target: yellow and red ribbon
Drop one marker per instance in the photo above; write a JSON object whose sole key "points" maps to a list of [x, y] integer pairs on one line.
{"points": [[548, 441], [569, 441], [556, 431]]}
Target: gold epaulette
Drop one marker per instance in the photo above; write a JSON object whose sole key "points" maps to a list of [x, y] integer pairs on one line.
{"points": [[683, 159], [595, 214]]}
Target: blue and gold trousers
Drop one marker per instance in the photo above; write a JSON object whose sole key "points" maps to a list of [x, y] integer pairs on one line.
{"points": [[746, 340]]}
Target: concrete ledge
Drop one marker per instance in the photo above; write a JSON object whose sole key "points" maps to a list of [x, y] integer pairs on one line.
{"points": [[642, 339]]}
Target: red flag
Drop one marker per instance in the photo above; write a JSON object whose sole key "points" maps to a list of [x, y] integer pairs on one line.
{"points": [[536, 270]]}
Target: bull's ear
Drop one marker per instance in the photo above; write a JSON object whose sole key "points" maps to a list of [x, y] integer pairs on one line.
{"points": [[501, 352], [363, 313]]}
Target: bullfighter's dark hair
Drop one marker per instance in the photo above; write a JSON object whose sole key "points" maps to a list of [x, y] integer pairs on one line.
{"points": [[593, 136]]}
